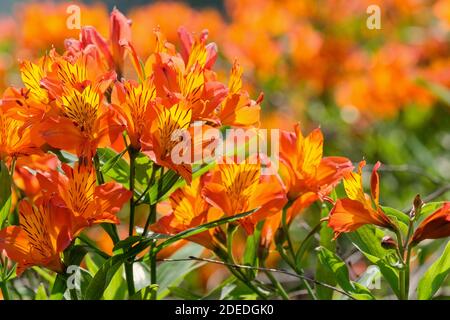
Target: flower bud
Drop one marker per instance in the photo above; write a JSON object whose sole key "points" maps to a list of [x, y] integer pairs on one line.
{"points": [[388, 243]]}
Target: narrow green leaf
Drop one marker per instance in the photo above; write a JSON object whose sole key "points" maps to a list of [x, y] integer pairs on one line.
{"points": [[145, 293], [433, 278], [172, 273], [340, 271], [41, 294], [103, 277], [399, 217], [5, 193], [367, 239], [111, 162]]}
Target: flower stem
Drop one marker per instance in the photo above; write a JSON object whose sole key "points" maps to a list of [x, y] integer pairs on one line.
{"points": [[228, 257], [5, 292], [129, 264], [110, 229], [132, 154]]}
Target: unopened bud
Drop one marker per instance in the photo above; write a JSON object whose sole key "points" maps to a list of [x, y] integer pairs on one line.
{"points": [[417, 203], [388, 243]]}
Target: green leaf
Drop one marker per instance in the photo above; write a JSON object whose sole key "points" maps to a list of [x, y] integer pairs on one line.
{"points": [[401, 219], [172, 273], [145, 293], [107, 271], [103, 277], [59, 287], [75, 254], [340, 271], [183, 293], [251, 250], [119, 171], [337, 266], [111, 162], [367, 239], [117, 288], [41, 294], [434, 276], [5, 193]]}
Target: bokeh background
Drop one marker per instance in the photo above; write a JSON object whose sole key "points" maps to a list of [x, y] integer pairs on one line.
{"points": [[377, 94]]}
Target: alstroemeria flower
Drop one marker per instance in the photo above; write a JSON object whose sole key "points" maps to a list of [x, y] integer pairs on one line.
{"points": [[270, 227], [238, 188], [187, 79], [159, 140], [435, 226], [82, 122], [359, 208], [238, 109], [77, 190], [308, 175], [188, 209], [134, 102], [43, 234], [15, 137], [109, 54]]}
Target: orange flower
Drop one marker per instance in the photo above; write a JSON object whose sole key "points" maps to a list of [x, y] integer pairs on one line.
{"points": [[25, 180], [270, 227], [357, 210], [158, 141], [15, 138], [435, 226], [187, 78], [52, 20], [77, 190], [308, 177], [134, 102], [238, 188], [238, 109], [187, 209], [152, 16], [43, 234]]}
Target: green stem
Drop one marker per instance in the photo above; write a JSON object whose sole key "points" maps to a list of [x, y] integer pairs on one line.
{"points": [[292, 264], [153, 273], [132, 203], [5, 292], [403, 276], [152, 211], [276, 283], [130, 278], [110, 229], [228, 257], [129, 264]]}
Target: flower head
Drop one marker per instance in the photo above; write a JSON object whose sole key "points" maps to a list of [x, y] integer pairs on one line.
{"points": [[43, 234], [435, 226], [188, 209], [307, 174], [77, 190], [358, 208], [239, 187]]}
